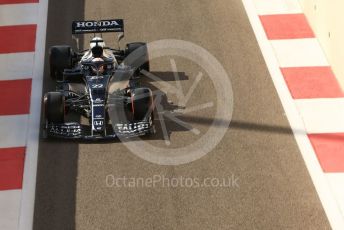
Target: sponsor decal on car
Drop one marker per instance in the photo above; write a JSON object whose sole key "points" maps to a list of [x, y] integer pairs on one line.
{"points": [[112, 25], [69, 130], [98, 123], [132, 127], [95, 23]]}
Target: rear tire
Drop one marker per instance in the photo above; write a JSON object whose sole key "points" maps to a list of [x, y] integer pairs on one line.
{"points": [[141, 60], [54, 107], [142, 104], [60, 58]]}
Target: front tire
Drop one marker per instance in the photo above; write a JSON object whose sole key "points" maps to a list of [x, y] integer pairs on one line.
{"points": [[142, 104], [54, 107]]}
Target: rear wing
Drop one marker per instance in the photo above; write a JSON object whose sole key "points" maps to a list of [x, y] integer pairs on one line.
{"points": [[103, 26]]}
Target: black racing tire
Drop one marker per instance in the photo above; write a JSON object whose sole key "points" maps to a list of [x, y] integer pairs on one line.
{"points": [[60, 58], [142, 104], [141, 60], [54, 107]]}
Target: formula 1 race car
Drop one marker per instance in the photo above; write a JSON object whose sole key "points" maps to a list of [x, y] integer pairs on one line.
{"points": [[100, 84]]}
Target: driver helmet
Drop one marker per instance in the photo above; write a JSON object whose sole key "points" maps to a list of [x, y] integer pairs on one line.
{"points": [[97, 41], [97, 45]]}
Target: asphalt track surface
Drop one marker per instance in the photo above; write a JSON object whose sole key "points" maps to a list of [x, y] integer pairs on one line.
{"points": [[274, 188]]}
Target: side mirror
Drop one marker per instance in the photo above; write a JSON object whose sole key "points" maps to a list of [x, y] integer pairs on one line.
{"points": [[119, 38], [76, 39]]}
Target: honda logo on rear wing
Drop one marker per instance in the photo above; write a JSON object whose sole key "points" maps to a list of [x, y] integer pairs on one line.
{"points": [[103, 26]]}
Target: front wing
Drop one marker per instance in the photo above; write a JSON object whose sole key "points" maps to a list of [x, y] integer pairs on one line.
{"points": [[75, 130]]}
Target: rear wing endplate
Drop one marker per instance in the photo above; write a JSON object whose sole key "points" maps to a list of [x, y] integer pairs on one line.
{"points": [[103, 26]]}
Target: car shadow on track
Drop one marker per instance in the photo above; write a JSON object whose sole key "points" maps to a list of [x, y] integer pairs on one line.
{"points": [[164, 105], [172, 126]]}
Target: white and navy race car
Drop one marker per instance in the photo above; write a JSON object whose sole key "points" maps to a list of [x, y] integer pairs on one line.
{"points": [[100, 84]]}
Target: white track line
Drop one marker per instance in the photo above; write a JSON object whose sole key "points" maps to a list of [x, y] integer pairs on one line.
{"points": [[18, 14], [277, 7], [322, 115], [337, 186], [9, 211], [13, 131], [31, 157], [299, 52], [16, 66], [329, 204]]}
